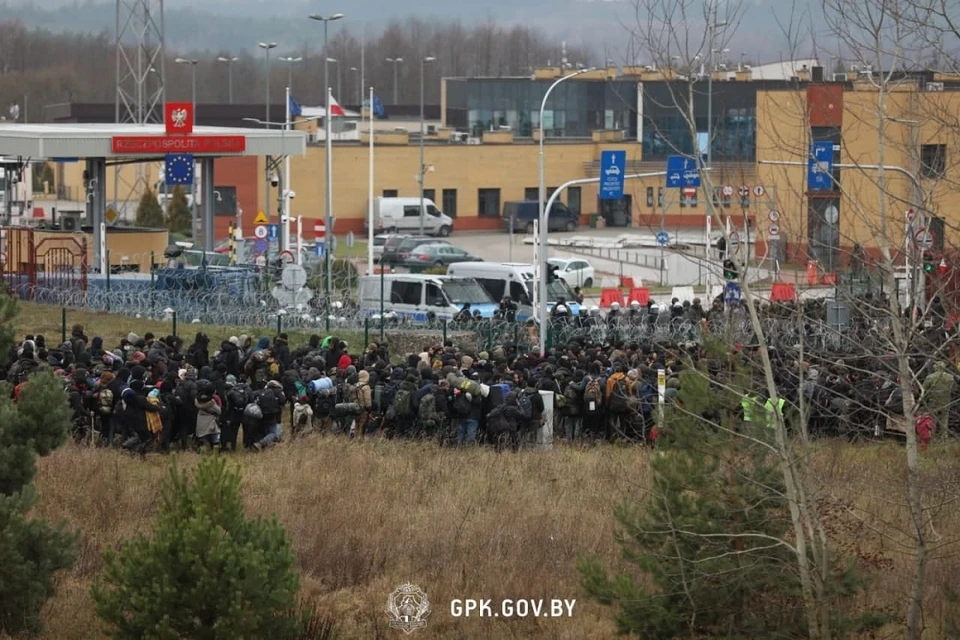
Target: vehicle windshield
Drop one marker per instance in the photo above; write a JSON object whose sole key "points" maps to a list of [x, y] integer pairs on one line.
{"points": [[461, 291], [555, 289]]}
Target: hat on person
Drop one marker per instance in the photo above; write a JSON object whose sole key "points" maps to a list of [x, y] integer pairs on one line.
{"points": [[231, 380], [138, 357], [234, 340]]}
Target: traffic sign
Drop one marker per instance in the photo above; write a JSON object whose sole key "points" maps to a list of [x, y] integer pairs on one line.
{"points": [[273, 232], [110, 215], [260, 231], [758, 191], [731, 293], [260, 246], [774, 230], [613, 166], [261, 218], [744, 191], [319, 230], [286, 256], [318, 249], [943, 267], [820, 167], [682, 172], [663, 238], [774, 215], [260, 261], [924, 239], [689, 193], [727, 190]]}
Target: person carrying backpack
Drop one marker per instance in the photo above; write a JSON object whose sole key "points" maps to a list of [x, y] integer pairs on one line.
{"points": [[593, 401], [503, 423], [271, 401], [618, 397], [400, 415], [363, 396], [573, 407]]}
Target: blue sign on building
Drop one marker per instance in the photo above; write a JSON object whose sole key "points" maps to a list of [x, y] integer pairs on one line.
{"points": [[682, 172], [613, 166], [273, 232], [820, 167], [731, 293], [663, 238]]}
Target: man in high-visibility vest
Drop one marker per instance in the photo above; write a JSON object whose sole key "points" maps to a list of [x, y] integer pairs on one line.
{"points": [[771, 416], [750, 405]]}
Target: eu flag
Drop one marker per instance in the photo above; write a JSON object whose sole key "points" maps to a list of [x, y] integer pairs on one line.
{"points": [[178, 169], [295, 109], [378, 110]]}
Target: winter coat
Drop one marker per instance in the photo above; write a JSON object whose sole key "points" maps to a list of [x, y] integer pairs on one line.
{"points": [[364, 393], [208, 416]]}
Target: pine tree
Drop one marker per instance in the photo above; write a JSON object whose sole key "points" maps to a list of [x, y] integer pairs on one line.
{"points": [[714, 537], [149, 213], [179, 218], [31, 550], [206, 572]]}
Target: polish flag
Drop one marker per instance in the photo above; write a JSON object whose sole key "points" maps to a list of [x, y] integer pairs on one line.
{"points": [[335, 108]]}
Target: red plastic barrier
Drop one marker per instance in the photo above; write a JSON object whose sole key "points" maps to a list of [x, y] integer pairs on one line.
{"points": [[609, 296], [783, 292], [640, 294], [626, 282], [829, 279]]}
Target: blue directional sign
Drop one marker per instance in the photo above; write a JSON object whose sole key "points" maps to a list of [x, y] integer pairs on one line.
{"points": [[663, 238], [820, 167], [613, 165], [731, 293], [318, 249], [260, 246], [273, 232], [682, 172]]}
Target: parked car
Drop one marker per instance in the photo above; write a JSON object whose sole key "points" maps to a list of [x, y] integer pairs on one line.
{"points": [[438, 255], [379, 243], [575, 272], [525, 213], [398, 248]]}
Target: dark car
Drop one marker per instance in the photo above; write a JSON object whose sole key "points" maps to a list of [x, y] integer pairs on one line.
{"points": [[398, 248], [524, 213], [438, 255]]}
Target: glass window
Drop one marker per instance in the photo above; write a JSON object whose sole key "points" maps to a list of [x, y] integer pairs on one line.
{"points": [[650, 196], [225, 201], [405, 292], [531, 193], [411, 211], [488, 203], [435, 297], [933, 160], [430, 194], [573, 200], [389, 193], [466, 290], [450, 202], [493, 286], [518, 293], [660, 194]]}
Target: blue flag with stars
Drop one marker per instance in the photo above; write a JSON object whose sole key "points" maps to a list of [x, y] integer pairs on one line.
{"points": [[377, 107], [179, 169]]}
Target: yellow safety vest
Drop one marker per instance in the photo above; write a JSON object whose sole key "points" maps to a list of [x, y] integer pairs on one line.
{"points": [[771, 418]]}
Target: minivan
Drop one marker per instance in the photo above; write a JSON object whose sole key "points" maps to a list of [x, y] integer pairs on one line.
{"points": [[524, 213], [413, 296], [513, 279], [392, 215]]}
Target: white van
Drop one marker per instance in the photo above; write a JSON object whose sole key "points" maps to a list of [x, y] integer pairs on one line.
{"points": [[413, 296], [513, 279], [392, 215]]}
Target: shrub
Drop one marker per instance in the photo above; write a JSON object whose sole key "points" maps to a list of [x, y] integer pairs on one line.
{"points": [[149, 212], [179, 217]]}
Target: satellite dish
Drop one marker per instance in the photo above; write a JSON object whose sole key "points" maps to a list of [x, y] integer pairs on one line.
{"points": [[293, 277]]}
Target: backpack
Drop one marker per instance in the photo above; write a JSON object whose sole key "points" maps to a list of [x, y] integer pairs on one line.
{"points": [[238, 397], [619, 400], [252, 414], [273, 367], [525, 405], [427, 411], [268, 402], [497, 421], [403, 403], [462, 405], [592, 397], [571, 397], [105, 407]]}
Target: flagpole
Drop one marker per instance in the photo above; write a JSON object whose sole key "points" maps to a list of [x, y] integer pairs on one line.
{"points": [[363, 46], [285, 237], [370, 194]]}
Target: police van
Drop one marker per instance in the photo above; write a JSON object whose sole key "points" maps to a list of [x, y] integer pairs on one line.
{"points": [[414, 296], [516, 280]]}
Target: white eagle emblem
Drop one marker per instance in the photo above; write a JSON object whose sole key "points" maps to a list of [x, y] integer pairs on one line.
{"points": [[408, 608], [179, 117]]}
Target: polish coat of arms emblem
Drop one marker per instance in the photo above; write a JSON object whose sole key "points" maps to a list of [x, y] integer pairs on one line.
{"points": [[408, 608]]}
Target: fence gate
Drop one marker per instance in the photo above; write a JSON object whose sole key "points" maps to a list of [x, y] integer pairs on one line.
{"points": [[16, 260], [55, 263]]}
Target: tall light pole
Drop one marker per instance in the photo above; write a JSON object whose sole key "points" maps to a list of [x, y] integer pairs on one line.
{"points": [[290, 60], [423, 167], [193, 183], [266, 46], [336, 62], [396, 62], [229, 60], [359, 88], [542, 189], [328, 147]]}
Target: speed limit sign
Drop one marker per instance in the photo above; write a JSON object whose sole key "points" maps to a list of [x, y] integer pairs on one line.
{"points": [[727, 190]]}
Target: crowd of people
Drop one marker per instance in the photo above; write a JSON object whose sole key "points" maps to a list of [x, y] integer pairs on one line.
{"points": [[154, 393]]}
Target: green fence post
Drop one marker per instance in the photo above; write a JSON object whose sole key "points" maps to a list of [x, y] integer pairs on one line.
{"points": [[107, 274], [444, 331], [279, 323], [366, 331], [174, 324], [63, 325], [153, 270]]}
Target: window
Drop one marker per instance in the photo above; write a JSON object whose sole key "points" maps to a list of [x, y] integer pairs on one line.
{"points": [[573, 200], [493, 286], [435, 297], [531, 193], [488, 203], [650, 197], [225, 201], [405, 292], [518, 293], [660, 197], [450, 202], [933, 160], [430, 194], [389, 193], [411, 211]]}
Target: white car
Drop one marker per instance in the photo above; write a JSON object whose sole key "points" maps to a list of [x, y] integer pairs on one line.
{"points": [[575, 272], [613, 170]]}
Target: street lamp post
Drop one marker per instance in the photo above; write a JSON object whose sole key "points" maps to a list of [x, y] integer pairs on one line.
{"points": [[229, 60], [423, 167], [542, 189], [290, 60], [359, 88], [266, 46], [336, 62], [328, 148], [193, 183], [396, 62]]}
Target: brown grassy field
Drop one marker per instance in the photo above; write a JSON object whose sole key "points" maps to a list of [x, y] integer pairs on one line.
{"points": [[365, 518]]}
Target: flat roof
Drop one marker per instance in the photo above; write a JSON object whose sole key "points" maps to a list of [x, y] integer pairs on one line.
{"points": [[95, 140]]}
